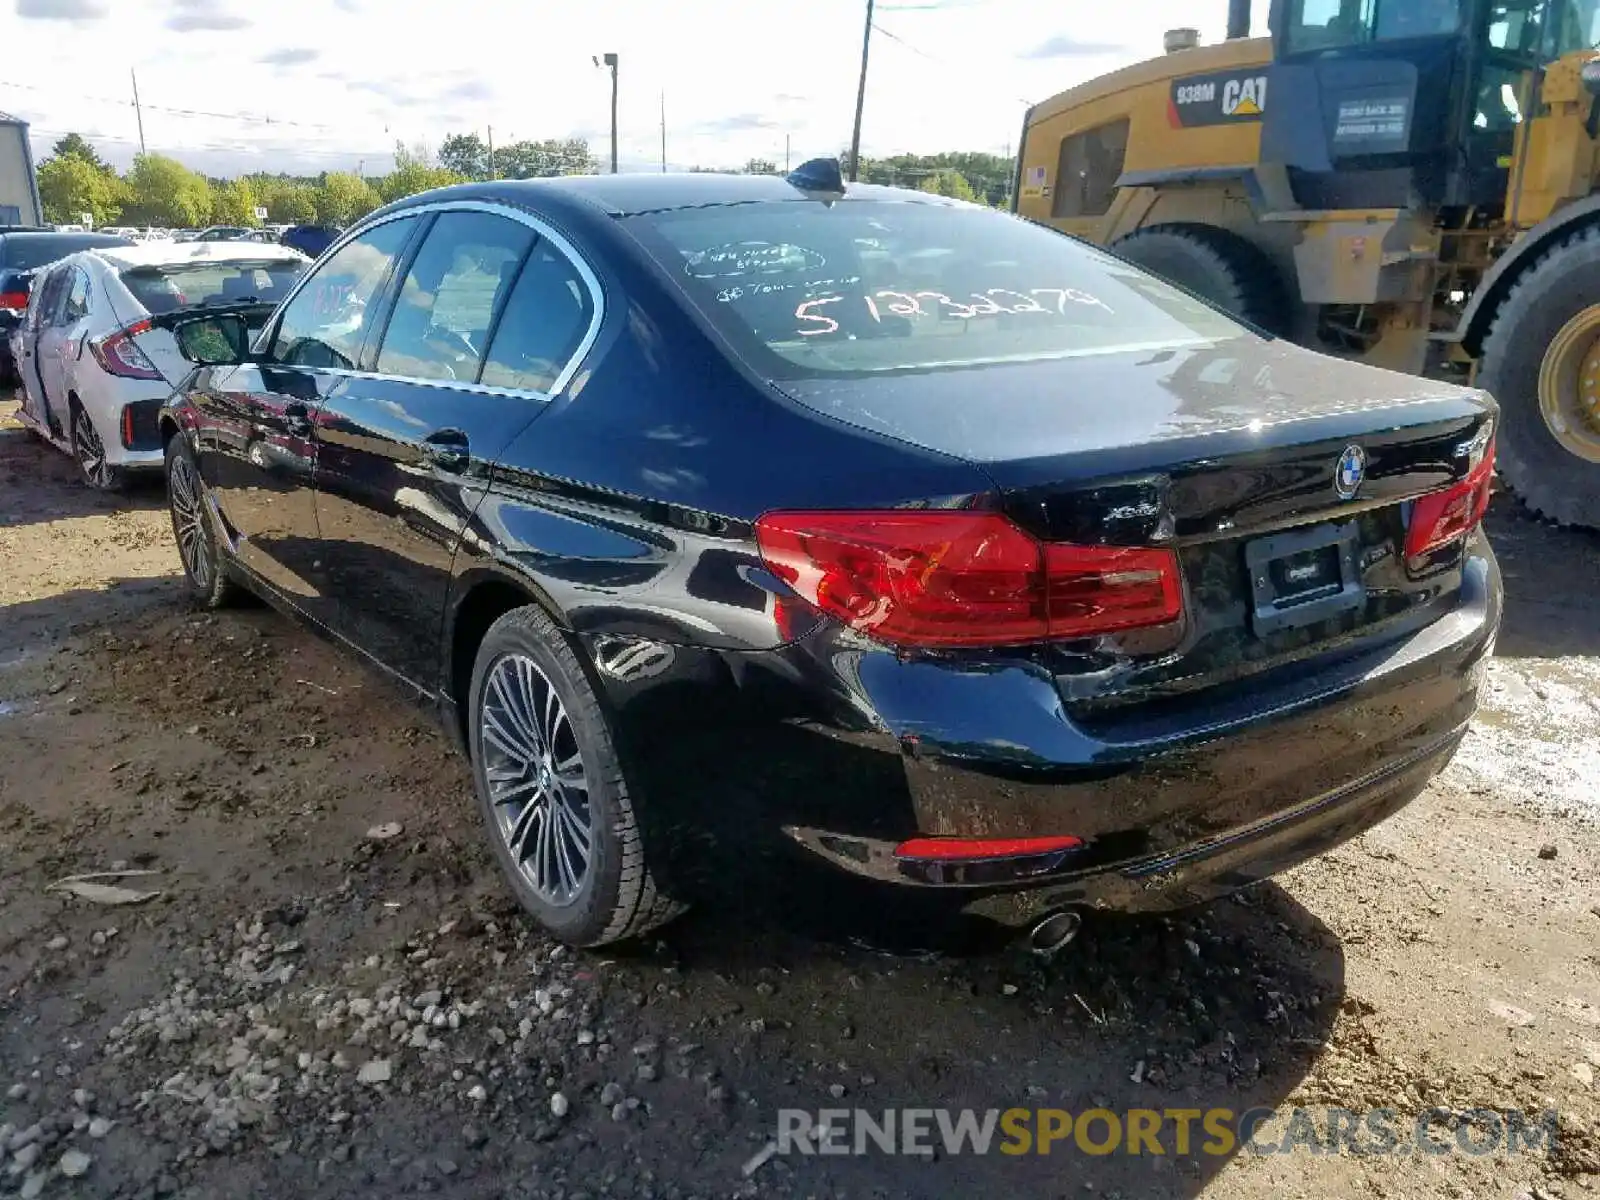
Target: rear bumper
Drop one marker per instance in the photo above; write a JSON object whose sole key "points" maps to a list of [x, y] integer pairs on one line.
{"points": [[846, 749], [1174, 809]]}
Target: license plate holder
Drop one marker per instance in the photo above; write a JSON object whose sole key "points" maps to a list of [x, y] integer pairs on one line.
{"points": [[1304, 576]]}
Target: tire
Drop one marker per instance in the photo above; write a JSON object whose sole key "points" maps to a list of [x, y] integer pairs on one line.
{"points": [[89, 451], [205, 571], [536, 806], [1547, 477], [1216, 266]]}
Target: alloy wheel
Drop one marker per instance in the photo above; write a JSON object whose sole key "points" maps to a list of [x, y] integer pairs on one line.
{"points": [[538, 787], [183, 489], [91, 451]]}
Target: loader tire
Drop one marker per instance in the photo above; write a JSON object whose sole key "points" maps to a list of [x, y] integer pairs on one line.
{"points": [[1214, 265], [1549, 322]]}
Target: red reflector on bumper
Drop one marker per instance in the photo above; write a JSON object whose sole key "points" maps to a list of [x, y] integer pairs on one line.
{"points": [[948, 849]]}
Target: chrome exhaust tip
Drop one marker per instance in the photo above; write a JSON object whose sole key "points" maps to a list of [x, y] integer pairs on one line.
{"points": [[1054, 932]]}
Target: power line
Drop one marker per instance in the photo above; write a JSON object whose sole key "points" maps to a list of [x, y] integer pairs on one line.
{"points": [[933, 58], [187, 112], [210, 148]]}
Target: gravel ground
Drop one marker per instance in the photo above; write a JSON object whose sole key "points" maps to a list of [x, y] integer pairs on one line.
{"points": [[330, 994]]}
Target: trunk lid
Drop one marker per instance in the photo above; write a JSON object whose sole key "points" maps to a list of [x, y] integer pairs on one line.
{"points": [[1230, 452]]}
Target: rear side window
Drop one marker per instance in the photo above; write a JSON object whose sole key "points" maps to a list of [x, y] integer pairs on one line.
{"points": [[1086, 177], [803, 288], [549, 312], [77, 297], [454, 287], [328, 319]]}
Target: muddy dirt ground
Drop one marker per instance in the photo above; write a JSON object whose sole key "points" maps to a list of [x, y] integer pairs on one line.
{"points": [[306, 1010]]}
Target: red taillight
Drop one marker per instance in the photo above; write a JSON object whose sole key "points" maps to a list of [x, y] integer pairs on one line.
{"points": [[15, 301], [941, 578], [118, 355], [127, 427], [949, 849], [1441, 517]]}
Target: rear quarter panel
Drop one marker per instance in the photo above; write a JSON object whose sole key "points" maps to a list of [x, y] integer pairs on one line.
{"points": [[627, 505]]}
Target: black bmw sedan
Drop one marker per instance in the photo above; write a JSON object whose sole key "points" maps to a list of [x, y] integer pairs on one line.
{"points": [[1030, 580]]}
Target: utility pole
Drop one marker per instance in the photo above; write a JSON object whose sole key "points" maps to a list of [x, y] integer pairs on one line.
{"points": [[610, 60], [786, 154], [861, 97], [663, 132], [491, 152], [137, 111]]}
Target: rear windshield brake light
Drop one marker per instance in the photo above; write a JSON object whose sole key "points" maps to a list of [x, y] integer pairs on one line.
{"points": [[944, 579]]}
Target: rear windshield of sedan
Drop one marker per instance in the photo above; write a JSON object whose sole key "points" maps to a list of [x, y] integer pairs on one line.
{"points": [[26, 251], [166, 289], [866, 286]]}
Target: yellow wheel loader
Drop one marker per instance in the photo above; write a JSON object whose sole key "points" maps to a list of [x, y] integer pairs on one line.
{"points": [[1414, 183]]}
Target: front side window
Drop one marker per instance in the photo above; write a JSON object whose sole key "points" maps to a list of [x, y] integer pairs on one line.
{"points": [[545, 319], [801, 288], [454, 287], [1543, 30], [47, 293], [328, 319], [1332, 24], [1086, 177], [1576, 26]]}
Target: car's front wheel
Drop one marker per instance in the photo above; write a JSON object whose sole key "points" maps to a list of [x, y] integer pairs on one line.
{"points": [[203, 570], [551, 788]]}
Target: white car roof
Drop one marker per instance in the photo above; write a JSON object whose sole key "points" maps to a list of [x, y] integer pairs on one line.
{"points": [[177, 254]]}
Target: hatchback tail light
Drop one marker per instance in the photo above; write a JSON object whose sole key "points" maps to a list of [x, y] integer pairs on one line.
{"points": [[118, 354], [942, 578], [15, 301], [1439, 518]]}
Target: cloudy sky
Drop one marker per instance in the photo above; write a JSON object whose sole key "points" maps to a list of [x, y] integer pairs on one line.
{"points": [[311, 85]]}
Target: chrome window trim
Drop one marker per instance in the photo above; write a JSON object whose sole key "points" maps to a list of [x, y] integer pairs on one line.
{"points": [[540, 227]]}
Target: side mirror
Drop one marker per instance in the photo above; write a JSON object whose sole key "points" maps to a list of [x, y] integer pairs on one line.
{"points": [[220, 340], [1590, 75]]}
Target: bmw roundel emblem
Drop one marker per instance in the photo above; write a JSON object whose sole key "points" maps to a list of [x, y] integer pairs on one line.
{"points": [[1348, 474]]}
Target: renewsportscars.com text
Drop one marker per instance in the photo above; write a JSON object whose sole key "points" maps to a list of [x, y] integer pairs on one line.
{"points": [[1172, 1131]]}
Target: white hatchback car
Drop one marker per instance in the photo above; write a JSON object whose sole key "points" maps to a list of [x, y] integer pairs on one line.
{"points": [[94, 372]]}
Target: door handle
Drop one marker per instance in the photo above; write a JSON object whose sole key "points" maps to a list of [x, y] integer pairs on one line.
{"points": [[446, 450], [297, 419]]}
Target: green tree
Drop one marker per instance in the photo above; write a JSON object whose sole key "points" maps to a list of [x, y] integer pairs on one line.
{"points": [[342, 198], [75, 145], [760, 166], [287, 201], [466, 154], [70, 185], [162, 191], [537, 160], [949, 183], [988, 175], [233, 202], [412, 178]]}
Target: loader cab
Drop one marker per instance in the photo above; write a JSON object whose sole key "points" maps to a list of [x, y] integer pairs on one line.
{"points": [[1408, 103]]}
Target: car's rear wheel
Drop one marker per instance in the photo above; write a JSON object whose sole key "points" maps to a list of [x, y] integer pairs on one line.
{"points": [[204, 572], [551, 788], [90, 451]]}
